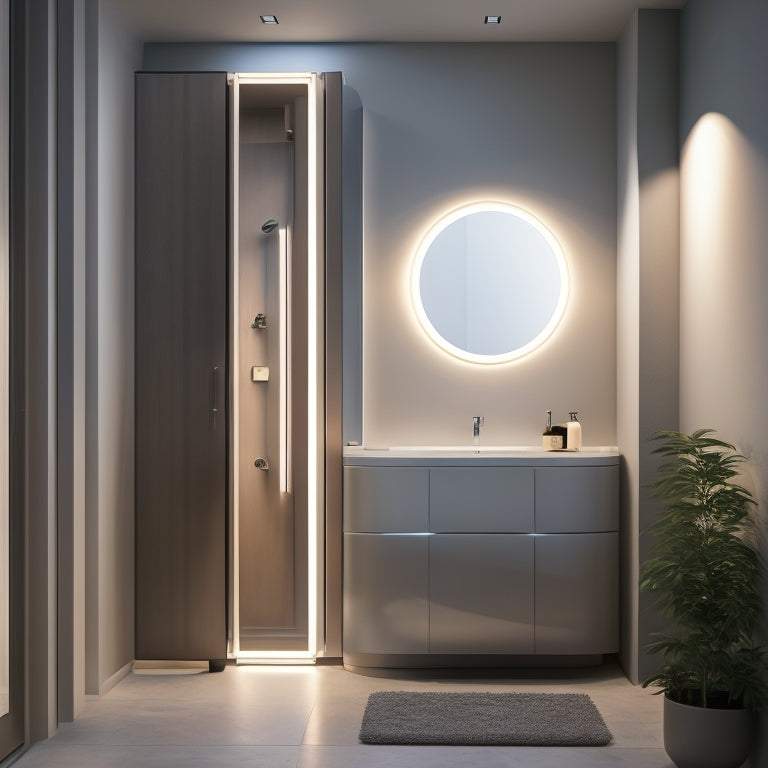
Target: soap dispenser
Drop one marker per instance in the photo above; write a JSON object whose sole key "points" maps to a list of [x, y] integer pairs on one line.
{"points": [[552, 439], [573, 427]]}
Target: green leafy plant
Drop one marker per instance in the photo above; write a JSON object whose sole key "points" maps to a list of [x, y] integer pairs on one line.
{"points": [[703, 573]]}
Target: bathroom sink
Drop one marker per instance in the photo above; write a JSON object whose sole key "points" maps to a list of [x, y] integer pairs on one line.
{"points": [[492, 455], [492, 450], [430, 449]]}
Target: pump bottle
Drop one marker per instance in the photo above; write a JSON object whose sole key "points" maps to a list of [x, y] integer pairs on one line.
{"points": [[573, 428]]}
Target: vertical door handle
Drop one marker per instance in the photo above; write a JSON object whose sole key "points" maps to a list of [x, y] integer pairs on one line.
{"points": [[215, 394]]}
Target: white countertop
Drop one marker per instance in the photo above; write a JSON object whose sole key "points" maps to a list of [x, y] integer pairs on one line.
{"points": [[483, 454]]}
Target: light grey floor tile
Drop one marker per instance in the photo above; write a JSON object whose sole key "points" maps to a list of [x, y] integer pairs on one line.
{"points": [[276, 717], [158, 722], [247, 685], [78, 756], [480, 757]]}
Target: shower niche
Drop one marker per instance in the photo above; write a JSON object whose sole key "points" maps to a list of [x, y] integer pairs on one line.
{"points": [[269, 384], [236, 201]]}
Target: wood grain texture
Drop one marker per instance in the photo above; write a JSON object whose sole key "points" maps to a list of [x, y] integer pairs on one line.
{"points": [[181, 348]]}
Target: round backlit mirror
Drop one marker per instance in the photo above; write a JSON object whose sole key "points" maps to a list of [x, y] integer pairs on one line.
{"points": [[489, 282]]}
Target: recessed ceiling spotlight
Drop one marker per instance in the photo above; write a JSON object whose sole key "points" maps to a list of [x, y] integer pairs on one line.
{"points": [[493, 19], [269, 19]]}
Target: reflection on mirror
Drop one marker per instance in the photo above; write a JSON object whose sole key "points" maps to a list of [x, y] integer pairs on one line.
{"points": [[489, 282]]}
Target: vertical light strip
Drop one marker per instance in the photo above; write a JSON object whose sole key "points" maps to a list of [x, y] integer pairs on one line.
{"points": [[288, 358], [4, 364], [282, 343], [235, 351], [313, 328]]}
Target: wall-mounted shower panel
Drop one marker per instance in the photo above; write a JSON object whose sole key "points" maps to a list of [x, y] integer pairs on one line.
{"points": [[267, 534]]}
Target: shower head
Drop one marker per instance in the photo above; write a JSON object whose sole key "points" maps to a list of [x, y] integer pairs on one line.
{"points": [[269, 225]]}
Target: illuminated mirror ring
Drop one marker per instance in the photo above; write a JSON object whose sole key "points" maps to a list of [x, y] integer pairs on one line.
{"points": [[489, 282]]}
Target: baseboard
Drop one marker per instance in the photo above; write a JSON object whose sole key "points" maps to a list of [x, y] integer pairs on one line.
{"points": [[141, 664], [111, 681]]}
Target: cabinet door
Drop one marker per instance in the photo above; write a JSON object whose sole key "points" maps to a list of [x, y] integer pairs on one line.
{"points": [[386, 499], [481, 593], [577, 499], [181, 343], [386, 608], [577, 593], [481, 499]]}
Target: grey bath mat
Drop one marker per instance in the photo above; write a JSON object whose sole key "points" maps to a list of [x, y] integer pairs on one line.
{"points": [[511, 719]]}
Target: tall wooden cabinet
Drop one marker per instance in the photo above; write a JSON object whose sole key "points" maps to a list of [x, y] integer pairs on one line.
{"points": [[181, 363]]}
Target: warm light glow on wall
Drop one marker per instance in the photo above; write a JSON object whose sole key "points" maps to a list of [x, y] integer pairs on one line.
{"points": [[723, 266], [713, 184]]}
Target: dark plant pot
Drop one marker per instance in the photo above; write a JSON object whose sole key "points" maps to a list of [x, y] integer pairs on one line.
{"points": [[695, 737]]}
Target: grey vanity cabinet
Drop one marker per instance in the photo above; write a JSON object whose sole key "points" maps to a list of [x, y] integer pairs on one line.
{"points": [[576, 593], [481, 594], [386, 499], [481, 499], [460, 561], [388, 596], [386, 600], [481, 582], [577, 560], [577, 499]]}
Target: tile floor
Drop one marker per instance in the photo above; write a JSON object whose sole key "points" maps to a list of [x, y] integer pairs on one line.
{"points": [[309, 717]]}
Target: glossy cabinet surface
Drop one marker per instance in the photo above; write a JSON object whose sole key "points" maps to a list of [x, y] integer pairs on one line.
{"points": [[493, 615], [481, 499], [390, 601], [576, 595], [463, 561], [387, 500], [577, 499]]}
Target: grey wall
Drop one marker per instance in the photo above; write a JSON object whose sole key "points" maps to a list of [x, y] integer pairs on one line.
{"points": [[724, 231], [109, 383], [647, 290], [71, 358], [628, 333], [36, 238], [444, 124]]}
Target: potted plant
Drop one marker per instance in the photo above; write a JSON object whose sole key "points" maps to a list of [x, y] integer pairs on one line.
{"points": [[703, 574]]}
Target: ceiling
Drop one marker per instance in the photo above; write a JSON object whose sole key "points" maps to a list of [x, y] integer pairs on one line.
{"points": [[379, 20]]}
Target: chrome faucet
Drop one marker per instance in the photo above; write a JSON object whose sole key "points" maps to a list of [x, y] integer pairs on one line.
{"points": [[477, 422]]}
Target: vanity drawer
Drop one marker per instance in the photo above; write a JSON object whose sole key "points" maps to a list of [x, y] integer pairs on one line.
{"points": [[386, 499], [577, 499], [481, 499]]}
